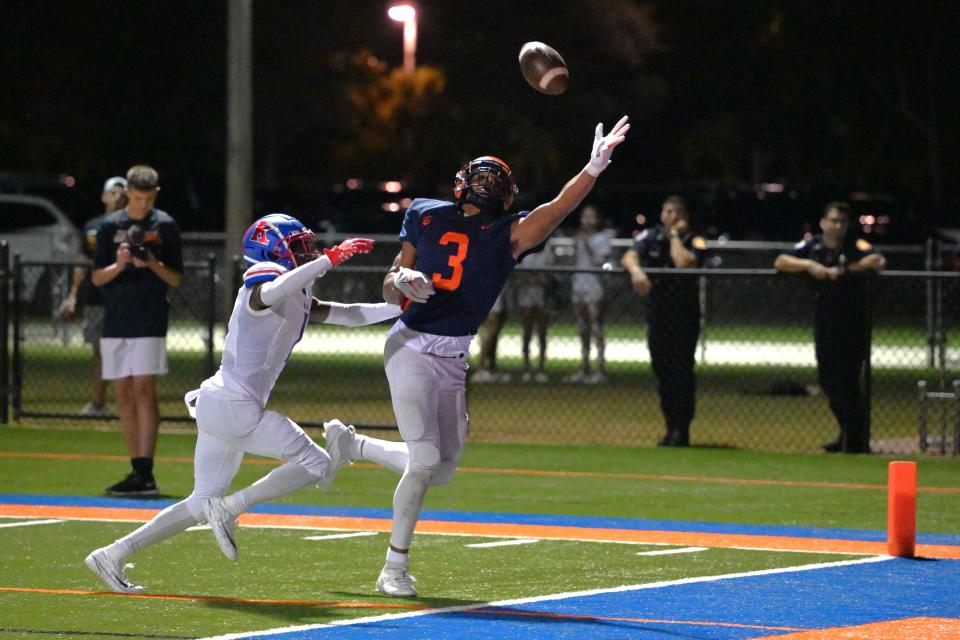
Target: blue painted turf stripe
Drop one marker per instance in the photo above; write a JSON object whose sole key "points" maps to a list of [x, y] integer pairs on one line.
{"points": [[824, 598], [502, 518]]}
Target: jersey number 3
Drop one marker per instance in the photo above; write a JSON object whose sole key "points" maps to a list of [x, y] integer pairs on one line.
{"points": [[456, 261]]}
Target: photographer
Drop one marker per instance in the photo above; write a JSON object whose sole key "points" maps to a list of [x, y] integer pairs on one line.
{"points": [[137, 258]]}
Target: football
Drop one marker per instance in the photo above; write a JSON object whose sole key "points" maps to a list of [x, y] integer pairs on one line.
{"points": [[544, 68]]}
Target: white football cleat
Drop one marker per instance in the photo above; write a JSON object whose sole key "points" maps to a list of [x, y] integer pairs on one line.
{"points": [[111, 570], [396, 582], [339, 440], [224, 526]]}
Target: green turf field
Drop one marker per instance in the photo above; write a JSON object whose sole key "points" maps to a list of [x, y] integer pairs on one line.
{"points": [[333, 579]]}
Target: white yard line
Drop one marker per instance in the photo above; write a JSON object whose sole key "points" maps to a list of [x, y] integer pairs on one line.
{"points": [[337, 536], [27, 523], [557, 596], [502, 543], [667, 552]]}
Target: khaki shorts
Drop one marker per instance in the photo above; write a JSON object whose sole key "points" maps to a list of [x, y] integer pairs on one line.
{"points": [[92, 323], [125, 357]]}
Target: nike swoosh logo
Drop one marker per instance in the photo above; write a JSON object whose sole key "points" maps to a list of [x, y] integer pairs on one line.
{"points": [[484, 227]]}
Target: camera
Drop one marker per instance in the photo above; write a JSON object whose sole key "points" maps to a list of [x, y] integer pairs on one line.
{"points": [[136, 237]]}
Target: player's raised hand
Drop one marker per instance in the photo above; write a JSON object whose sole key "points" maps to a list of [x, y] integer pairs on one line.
{"points": [[413, 284], [603, 145], [347, 249]]}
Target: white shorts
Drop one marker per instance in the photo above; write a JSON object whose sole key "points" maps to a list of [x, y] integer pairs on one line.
{"points": [[226, 429], [587, 289], [530, 296], [125, 357]]}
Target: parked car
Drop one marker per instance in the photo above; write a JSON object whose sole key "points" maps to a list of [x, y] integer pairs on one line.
{"points": [[38, 231]]}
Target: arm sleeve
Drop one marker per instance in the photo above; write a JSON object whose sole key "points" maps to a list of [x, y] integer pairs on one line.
{"points": [[278, 285], [172, 247], [358, 315]]}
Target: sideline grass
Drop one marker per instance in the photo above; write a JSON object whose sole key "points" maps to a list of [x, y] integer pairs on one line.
{"points": [[608, 495]]}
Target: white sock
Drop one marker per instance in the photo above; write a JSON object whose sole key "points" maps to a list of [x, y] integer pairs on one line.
{"points": [[397, 558], [386, 453], [279, 482], [168, 522], [407, 501]]}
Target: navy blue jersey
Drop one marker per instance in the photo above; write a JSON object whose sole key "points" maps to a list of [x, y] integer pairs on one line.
{"points": [[136, 300], [840, 303], [468, 259]]}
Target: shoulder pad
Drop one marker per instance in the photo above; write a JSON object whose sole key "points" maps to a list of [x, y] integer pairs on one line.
{"points": [[699, 243], [262, 272], [863, 245]]}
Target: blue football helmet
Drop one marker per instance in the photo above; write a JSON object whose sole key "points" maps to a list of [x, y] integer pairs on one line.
{"points": [[487, 183], [279, 238]]}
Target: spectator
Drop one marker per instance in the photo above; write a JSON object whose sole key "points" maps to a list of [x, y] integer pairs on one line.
{"points": [[83, 294], [673, 314], [268, 320], [591, 250], [137, 259], [532, 307], [837, 262], [489, 338]]}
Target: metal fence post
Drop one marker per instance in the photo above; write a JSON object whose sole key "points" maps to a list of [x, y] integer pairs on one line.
{"points": [[5, 328], [212, 309], [868, 361], [17, 381]]}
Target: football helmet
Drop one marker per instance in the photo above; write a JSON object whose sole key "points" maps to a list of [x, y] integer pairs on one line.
{"points": [[485, 182], [279, 238]]}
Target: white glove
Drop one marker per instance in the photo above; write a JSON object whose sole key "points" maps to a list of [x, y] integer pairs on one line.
{"points": [[603, 146], [413, 284]]}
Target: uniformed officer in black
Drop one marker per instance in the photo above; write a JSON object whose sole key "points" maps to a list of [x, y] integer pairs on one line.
{"points": [[673, 315], [837, 262]]}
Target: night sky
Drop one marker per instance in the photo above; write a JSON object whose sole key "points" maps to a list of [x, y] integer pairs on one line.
{"points": [[723, 96]]}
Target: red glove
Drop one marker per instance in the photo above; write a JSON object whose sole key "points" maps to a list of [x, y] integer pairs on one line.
{"points": [[347, 249]]}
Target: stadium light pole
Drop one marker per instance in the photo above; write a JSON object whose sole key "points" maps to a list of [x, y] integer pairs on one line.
{"points": [[407, 14]]}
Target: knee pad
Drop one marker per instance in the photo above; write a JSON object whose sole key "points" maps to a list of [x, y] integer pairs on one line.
{"points": [[424, 456], [444, 473]]}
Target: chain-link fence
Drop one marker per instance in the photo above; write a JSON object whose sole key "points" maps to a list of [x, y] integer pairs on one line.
{"points": [[756, 375]]}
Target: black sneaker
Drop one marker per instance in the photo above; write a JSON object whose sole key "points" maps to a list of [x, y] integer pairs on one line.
{"points": [[833, 447], [134, 485]]}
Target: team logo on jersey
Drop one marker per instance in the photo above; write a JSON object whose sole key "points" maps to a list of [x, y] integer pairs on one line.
{"points": [[484, 227], [427, 219]]}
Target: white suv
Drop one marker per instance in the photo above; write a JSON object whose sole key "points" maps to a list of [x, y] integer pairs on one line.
{"points": [[39, 231]]}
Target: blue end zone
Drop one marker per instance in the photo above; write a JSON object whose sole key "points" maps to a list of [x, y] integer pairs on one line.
{"points": [[804, 600], [502, 518]]}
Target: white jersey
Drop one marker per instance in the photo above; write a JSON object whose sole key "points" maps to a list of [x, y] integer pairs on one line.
{"points": [[258, 345]]}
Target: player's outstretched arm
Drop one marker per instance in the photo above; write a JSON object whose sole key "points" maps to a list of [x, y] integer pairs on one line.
{"points": [[269, 293], [352, 315], [534, 229]]}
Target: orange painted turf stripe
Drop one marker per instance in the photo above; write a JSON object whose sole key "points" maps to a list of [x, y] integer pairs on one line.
{"points": [[162, 596], [521, 472], [905, 629], [677, 538]]}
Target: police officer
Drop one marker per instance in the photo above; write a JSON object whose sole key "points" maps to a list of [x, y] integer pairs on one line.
{"points": [[673, 316], [837, 261]]}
